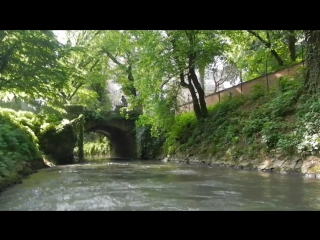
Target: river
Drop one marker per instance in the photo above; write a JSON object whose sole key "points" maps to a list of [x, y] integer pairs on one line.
{"points": [[156, 185]]}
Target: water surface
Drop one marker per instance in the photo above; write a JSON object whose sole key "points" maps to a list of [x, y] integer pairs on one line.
{"points": [[155, 185]]}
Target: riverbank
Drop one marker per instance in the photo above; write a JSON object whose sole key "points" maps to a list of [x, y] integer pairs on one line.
{"points": [[308, 167], [26, 169], [273, 130]]}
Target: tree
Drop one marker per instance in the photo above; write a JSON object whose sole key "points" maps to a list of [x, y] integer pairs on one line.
{"points": [[257, 52], [118, 47], [86, 72], [291, 42], [266, 42], [312, 80], [222, 71], [29, 64], [191, 49]]}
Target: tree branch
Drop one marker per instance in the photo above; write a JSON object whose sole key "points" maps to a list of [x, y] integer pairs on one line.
{"points": [[291, 38], [268, 37], [92, 67], [111, 56], [182, 81], [74, 92], [166, 81], [267, 44]]}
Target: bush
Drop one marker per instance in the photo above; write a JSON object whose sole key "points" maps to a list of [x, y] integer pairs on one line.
{"points": [[18, 144], [257, 91], [19, 138], [282, 119]]}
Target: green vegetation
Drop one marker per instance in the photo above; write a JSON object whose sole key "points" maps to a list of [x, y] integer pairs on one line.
{"points": [[18, 143], [27, 138], [283, 120], [153, 69], [95, 146]]}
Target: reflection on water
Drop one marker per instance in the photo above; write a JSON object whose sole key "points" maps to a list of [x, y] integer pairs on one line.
{"points": [[154, 185]]}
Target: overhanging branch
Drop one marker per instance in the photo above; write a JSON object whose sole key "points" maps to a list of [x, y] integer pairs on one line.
{"points": [[111, 56], [267, 44]]}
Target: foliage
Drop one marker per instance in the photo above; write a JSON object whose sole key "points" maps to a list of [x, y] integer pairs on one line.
{"points": [[186, 131], [149, 65], [58, 139], [152, 68], [183, 122], [257, 91], [92, 149], [30, 65], [176, 61], [85, 69], [309, 128], [281, 119], [253, 51], [119, 50], [18, 142], [95, 145]]}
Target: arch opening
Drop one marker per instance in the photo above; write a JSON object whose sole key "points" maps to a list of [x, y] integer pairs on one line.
{"points": [[122, 143], [96, 146]]}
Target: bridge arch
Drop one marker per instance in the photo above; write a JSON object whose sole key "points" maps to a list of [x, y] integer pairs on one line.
{"points": [[118, 129], [122, 142]]}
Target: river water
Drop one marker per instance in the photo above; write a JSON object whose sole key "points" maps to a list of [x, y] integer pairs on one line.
{"points": [[156, 185]]}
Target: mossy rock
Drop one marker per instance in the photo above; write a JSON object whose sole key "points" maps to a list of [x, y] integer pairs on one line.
{"points": [[59, 145]]}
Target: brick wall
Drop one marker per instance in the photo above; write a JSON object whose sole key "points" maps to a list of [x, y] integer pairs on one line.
{"points": [[267, 81]]}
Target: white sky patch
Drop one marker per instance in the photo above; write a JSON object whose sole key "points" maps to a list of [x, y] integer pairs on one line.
{"points": [[61, 36]]}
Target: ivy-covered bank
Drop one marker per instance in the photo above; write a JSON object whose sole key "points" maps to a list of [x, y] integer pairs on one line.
{"points": [[276, 130], [27, 143]]}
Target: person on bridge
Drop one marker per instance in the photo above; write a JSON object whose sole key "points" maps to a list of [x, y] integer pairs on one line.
{"points": [[124, 101]]}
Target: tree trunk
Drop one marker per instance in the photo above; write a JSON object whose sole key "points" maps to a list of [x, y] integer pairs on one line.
{"points": [[216, 87], [277, 57], [267, 44], [196, 106], [201, 72], [312, 80], [132, 89], [199, 104], [201, 95], [193, 81], [292, 44], [189, 85]]}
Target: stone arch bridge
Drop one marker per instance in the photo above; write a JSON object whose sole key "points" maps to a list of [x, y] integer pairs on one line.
{"points": [[118, 129]]}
